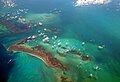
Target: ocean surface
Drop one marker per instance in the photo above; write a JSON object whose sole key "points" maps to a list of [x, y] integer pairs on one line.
{"points": [[95, 25]]}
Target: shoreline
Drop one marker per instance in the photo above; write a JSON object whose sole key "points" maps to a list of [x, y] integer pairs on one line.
{"points": [[39, 53]]}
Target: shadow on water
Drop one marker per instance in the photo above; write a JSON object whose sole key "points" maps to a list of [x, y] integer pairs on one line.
{"points": [[6, 63]]}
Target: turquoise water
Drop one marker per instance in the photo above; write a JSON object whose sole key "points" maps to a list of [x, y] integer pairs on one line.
{"points": [[94, 24], [25, 66]]}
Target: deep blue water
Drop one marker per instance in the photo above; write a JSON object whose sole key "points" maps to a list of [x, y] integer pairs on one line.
{"points": [[92, 22], [5, 67]]}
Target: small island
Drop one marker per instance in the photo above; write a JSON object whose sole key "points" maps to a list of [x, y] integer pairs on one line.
{"points": [[38, 52]]}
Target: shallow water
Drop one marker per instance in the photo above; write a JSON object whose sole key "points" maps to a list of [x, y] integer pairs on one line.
{"points": [[93, 24]]}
